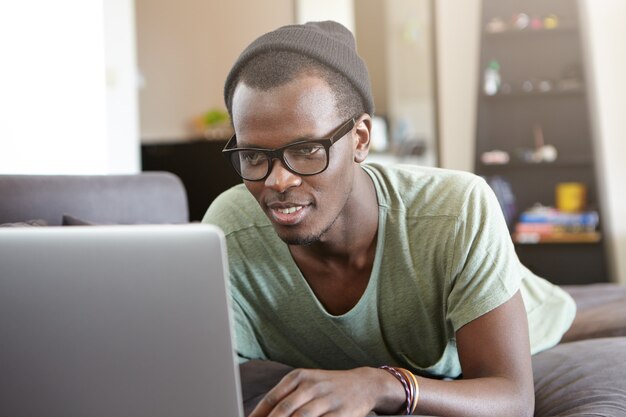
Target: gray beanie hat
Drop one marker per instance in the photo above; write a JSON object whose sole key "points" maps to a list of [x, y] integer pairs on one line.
{"points": [[328, 42]]}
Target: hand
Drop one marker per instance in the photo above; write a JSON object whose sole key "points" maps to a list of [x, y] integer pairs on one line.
{"points": [[313, 393]]}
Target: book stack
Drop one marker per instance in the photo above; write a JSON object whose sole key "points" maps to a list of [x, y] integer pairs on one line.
{"points": [[542, 224]]}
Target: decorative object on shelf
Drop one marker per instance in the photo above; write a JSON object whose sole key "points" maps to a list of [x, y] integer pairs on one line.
{"points": [[545, 86], [492, 78], [214, 124], [520, 21], [551, 21], [528, 86], [542, 153], [504, 194], [571, 78], [496, 25], [571, 197], [536, 23], [495, 157]]}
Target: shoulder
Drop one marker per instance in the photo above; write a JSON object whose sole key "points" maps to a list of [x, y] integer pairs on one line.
{"points": [[427, 190], [234, 210]]}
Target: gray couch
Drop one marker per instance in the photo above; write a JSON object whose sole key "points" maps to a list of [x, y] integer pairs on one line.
{"points": [[584, 375], [146, 198]]}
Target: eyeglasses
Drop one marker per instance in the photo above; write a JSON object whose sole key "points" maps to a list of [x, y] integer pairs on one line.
{"points": [[306, 157]]}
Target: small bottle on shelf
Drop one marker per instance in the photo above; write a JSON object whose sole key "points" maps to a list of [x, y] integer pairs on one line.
{"points": [[492, 78]]}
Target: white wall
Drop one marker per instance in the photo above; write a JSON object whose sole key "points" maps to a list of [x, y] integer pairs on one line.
{"points": [[52, 117], [604, 35], [53, 103], [122, 103]]}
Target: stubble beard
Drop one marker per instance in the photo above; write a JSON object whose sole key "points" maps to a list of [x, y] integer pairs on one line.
{"points": [[308, 239]]}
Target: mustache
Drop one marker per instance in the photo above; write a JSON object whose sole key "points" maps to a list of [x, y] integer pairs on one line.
{"points": [[286, 197]]}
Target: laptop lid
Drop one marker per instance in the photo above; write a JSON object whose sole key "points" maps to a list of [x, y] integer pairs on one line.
{"points": [[116, 321]]}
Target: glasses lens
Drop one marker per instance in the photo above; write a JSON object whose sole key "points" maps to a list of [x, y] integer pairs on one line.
{"points": [[251, 165], [306, 158]]}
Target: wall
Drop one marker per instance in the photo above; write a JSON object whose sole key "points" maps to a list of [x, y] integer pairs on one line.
{"points": [[375, 55], [395, 39], [605, 32], [52, 87], [53, 110], [184, 47], [122, 106], [458, 50], [341, 11]]}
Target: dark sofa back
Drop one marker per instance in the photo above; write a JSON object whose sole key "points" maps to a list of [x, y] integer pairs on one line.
{"points": [[145, 198]]}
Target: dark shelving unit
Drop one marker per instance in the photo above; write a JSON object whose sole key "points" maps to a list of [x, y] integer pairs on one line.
{"points": [[541, 100]]}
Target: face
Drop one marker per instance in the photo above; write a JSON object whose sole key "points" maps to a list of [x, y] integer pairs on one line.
{"points": [[302, 209]]}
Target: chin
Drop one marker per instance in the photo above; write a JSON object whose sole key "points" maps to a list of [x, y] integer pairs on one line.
{"points": [[298, 240], [294, 237]]}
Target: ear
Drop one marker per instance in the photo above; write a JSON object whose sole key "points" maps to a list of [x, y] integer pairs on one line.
{"points": [[363, 129]]}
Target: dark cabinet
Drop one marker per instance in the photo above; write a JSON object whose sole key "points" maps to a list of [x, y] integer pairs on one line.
{"points": [[199, 164], [533, 128]]}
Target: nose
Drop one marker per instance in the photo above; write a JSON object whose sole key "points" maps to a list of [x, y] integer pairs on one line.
{"points": [[280, 178]]}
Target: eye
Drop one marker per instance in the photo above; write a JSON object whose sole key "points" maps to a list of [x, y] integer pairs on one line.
{"points": [[252, 158], [306, 149]]}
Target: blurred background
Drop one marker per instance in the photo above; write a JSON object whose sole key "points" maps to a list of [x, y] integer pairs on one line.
{"points": [[529, 94]]}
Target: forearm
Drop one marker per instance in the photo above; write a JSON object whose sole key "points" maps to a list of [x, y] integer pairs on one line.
{"points": [[489, 396]]}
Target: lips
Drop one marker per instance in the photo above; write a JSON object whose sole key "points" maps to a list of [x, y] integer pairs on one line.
{"points": [[287, 214]]}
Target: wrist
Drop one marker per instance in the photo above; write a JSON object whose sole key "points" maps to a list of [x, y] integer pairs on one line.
{"points": [[388, 392]]}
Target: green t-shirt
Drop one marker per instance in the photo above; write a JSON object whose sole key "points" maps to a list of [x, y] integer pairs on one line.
{"points": [[444, 257]]}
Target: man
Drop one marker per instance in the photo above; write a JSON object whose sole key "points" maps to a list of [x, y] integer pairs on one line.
{"points": [[378, 284]]}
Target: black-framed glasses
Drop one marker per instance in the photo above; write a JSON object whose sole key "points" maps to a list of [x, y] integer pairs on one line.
{"points": [[306, 157]]}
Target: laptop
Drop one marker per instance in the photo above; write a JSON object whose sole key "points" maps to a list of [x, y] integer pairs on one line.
{"points": [[116, 321]]}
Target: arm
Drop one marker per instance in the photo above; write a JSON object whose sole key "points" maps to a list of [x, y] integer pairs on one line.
{"points": [[495, 357], [497, 372]]}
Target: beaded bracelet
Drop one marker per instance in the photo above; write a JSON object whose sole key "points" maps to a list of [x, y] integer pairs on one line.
{"points": [[410, 385]]}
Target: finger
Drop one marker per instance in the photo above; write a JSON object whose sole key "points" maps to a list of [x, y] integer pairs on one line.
{"points": [[286, 385], [295, 402], [314, 408]]}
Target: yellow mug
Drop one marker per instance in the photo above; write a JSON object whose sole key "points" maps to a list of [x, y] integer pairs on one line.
{"points": [[571, 196]]}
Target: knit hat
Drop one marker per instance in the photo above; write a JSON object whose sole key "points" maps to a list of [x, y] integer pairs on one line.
{"points": [[328, 42]]}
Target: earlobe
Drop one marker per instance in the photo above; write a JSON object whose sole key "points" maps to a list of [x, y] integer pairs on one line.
{"points": [[359, 157]]}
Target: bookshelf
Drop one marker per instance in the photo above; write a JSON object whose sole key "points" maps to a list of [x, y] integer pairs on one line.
{"points": [[533, 130]]}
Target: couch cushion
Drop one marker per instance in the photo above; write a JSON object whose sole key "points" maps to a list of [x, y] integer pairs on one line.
{"points": [[27, 223], [601, 311], [583, 378], [74, 221]]}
